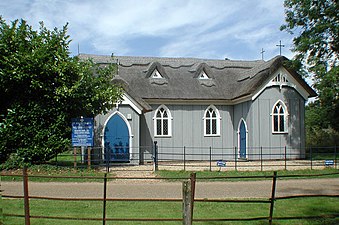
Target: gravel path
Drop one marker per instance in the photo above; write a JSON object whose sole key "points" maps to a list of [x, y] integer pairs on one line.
{"points": [[161, 189]]}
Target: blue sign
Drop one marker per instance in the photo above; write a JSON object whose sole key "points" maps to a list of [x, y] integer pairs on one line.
{"points": [[220, 163], [82, 132], [329, 162]]}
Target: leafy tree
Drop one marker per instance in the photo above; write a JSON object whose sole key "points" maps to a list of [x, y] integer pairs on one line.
{"points": [[42, 87], [316, 23]]}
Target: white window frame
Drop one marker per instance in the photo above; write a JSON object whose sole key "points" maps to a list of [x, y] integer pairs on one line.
{"points": [[278, 114], [203, 76], [156, 74], [162, 119], [217, 118]]}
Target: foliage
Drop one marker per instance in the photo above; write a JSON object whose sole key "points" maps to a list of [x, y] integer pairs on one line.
{"points": [[319, 130], [317, 48], [42, 87]]}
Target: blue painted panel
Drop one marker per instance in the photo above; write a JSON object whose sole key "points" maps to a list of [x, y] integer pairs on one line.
{"points": [[242, 140], [116, 139]]}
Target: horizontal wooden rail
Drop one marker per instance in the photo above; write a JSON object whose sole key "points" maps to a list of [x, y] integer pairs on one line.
{"points": [[96, 219], [306, 196], [142, 199]]}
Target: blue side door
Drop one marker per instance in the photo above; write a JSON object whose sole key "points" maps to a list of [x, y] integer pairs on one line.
{"points": [[242, 141], [116, 140]]}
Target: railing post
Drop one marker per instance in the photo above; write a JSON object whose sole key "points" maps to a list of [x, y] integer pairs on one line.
{"points": [[26, 197], [155, 157], [311, 158], [108, 158], [285, 158], [210, 158], [184, 158], [335, 157], [56, 159], [235, 158], [186, 203], [104, 200], [261, 158], [273, 197]]}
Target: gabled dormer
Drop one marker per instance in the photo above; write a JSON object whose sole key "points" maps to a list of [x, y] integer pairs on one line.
{"points": [[156, 74], [204, 75]]}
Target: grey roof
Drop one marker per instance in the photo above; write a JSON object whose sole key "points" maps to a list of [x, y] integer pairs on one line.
{"points": [[229, 79]]}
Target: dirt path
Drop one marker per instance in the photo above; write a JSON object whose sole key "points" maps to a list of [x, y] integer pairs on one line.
{"points": [[142, 189]]}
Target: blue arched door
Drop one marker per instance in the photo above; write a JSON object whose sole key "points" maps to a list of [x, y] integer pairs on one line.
{"points": [[116, 139], [242, 139]]}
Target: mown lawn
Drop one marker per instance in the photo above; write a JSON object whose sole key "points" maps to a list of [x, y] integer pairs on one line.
{"points": [[127, 210]]}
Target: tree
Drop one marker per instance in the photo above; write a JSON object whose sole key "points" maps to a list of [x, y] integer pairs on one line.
{"points": [[42, 87], [317, 48]]}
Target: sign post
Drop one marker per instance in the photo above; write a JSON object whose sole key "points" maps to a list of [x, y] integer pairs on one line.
{"points": [[82, 135]]}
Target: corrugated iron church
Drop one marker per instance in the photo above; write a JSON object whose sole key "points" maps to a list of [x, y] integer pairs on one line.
{"points": [[233, 108]]}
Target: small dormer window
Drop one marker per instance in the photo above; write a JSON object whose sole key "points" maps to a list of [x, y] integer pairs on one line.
{"points": [[156, 74], [203, 76]]}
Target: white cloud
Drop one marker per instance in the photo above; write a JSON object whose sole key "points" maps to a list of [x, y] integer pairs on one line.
{"points": [[198, 28]]}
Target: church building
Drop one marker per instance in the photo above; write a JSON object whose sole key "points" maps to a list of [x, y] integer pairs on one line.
{"points": [[232, 108]]}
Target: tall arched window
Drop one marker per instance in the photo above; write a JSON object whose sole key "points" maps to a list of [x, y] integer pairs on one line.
{"points": [[211, 121], [279, 118], [162, 122]]}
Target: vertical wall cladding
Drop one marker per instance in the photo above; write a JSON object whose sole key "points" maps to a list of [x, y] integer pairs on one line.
{"points": [[188, 132], [243, 111], [273, 144], [133, 119]]}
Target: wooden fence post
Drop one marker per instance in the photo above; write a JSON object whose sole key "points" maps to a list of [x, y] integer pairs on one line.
{"points": [[75, 157], [273, 197], [89, 157], [26, 197], [193, 180], [187, 201]]}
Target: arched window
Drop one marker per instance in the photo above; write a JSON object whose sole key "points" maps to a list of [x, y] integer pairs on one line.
{"points": [[211, 121], [162, 122], [279, 118]]}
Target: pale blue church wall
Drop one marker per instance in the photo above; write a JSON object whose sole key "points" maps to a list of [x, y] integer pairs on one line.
{"points": [[188, 132], [260, 129]]}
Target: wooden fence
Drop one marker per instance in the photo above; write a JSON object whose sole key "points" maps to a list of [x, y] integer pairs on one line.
{"points": [[188, 200]]}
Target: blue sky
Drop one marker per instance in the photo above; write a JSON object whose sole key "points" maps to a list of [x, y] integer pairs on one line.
{"points": [[215, 29]]}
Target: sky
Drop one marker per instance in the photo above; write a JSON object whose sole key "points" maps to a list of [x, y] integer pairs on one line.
{"points": [[211, 29]]}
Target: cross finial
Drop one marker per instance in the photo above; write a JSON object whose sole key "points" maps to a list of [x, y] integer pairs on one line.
{"points": [[262, 54], [280, 46]]}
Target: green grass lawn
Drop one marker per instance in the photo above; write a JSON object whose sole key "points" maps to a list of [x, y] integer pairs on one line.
{"points": [[202, 210]]}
